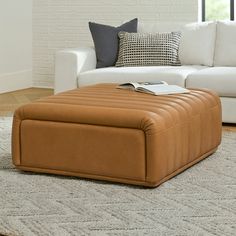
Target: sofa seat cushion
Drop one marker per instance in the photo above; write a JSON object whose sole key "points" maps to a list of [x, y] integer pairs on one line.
{"points": [[171, 74], [220, 79]]}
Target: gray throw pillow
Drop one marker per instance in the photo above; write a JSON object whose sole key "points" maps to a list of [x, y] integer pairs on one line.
{"points": [[159, 49], [106, 41]]}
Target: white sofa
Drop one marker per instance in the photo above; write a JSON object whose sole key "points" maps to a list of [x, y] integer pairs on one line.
{"points": [[207, 53]]}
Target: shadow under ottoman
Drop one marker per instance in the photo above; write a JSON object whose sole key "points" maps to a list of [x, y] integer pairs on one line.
{"points": [[101, 132]]}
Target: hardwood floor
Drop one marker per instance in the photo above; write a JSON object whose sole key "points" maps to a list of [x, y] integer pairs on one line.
{"points": [[229, 127], [9, 102]]}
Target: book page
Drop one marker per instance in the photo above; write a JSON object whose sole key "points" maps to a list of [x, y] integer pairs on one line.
{"points": [[135, 85], [163, 89]]}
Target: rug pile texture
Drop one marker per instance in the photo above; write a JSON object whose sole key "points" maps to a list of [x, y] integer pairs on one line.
{"points": [[199, 201]]}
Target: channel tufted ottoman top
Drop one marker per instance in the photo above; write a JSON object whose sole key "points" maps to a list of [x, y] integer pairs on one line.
{"points": [[101, 132]]}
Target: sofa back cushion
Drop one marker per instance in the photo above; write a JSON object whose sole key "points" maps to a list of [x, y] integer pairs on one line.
{"points": [[225, 50], [197, 44], [147, 27]]}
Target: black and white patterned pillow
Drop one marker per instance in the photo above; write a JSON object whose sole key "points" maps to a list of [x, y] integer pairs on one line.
{"points": [[141, 49]]}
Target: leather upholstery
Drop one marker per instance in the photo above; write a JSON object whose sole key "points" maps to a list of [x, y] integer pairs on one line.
{"points": [[111, 134]]}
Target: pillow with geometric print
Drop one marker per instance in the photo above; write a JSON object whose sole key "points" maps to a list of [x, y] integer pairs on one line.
{"points": [[146, 49]]}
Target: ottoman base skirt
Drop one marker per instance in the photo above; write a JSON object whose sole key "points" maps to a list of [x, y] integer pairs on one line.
{"points": [[104, 133]]}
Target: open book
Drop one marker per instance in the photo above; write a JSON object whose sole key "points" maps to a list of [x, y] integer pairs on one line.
{"points": [[155, 88]]}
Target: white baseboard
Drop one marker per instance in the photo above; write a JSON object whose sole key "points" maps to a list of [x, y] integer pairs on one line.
{"points": [[15, 81], [43, 84]]}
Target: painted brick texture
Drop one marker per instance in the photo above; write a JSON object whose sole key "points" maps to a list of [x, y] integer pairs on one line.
{"points": [[60, 24]]}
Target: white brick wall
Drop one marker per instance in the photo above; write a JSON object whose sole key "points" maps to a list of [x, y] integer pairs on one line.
{"points": [[59, 24]]}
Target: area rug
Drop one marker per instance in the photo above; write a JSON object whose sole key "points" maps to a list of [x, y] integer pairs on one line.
{"points": [[199, 201]]}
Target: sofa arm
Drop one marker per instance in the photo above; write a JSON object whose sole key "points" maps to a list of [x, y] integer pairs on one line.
{"points": [[69, 63]]}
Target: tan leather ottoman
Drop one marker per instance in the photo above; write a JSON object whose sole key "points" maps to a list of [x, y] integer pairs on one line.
{"points": [[101, 132]]}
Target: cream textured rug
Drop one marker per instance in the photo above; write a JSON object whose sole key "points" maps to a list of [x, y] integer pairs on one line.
{"points": [[200, 201]]}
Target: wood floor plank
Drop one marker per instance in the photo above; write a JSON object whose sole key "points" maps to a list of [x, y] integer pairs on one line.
{"points": [[9, 102]]}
